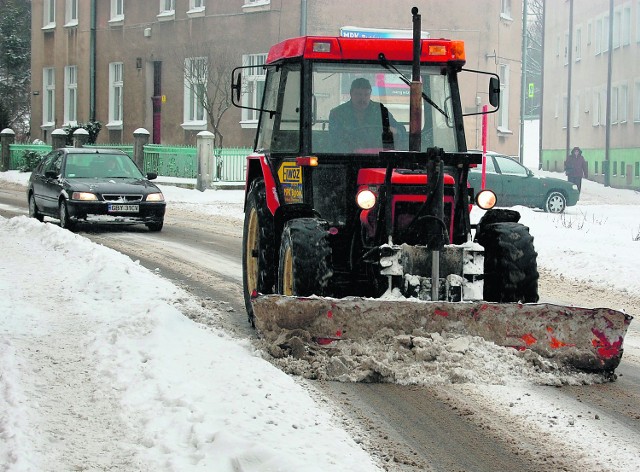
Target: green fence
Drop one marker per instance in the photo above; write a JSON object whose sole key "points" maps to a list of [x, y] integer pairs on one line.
{"points": [[229, 164], [16, 153]]}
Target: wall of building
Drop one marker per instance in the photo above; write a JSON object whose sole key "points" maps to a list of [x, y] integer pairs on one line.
{"points": [[589, 70], [236, 28]]}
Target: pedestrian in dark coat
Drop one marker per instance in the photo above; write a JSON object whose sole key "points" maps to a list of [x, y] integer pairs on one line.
{"points": [[576, 167]]}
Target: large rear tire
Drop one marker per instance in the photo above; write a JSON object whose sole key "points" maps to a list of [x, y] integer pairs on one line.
{"points": [[259, 249], [305, 258], [510, 263]]}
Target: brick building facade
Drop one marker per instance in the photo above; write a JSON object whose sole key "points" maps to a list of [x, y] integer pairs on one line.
{"points": [[126, 63]]}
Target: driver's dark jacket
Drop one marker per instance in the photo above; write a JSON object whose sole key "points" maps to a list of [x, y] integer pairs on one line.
{"points": [[347, 134]]}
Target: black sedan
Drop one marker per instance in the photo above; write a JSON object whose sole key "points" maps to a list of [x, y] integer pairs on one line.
{"points": [[515, 184], [94, 185]]}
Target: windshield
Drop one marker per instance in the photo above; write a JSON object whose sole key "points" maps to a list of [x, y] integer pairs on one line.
{"points": [[101, 165], [364, 108]]}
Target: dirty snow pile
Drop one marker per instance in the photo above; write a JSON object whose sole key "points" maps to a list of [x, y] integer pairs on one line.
{"points": [[100, 369]]}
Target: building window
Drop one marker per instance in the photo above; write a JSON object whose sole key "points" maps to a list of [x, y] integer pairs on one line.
{"points": [[167, 6], [565, 109], [598, 36], [595, 167], [505, 9], [603, 106], [49, 98], [71, 13], [195, 93], [116, 87], [253, 87], [605, 33], [623, 98], [576, 111], [617, 21], [578, 45], [503, 111], [595, 108], [637, 171], [636, 103], [566, 49], [196, 8], [626, 25], [589, 27], [117, 11], [70, 95], [614, 105], [49, 14], [256, 5]]}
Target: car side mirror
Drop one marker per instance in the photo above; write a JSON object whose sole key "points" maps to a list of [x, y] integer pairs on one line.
{"points": [[51, 174], [152, 175]]}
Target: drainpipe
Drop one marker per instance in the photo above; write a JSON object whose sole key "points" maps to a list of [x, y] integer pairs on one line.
{"points": [[92, 64], [523, 79]]}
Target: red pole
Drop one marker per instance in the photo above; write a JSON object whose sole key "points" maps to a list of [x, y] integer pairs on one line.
{"points": [[485, 108]]}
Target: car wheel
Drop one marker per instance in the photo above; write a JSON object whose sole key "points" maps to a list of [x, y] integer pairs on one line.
{"points": [[155, 226], [33, 209], [555, 202], [65, 219]]}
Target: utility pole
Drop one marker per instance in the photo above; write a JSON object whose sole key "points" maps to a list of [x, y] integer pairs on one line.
{"points": [[607, 135], [523, 81], [569, 70]]}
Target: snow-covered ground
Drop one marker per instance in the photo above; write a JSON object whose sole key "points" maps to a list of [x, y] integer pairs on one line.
{"points": [[87, 334]]}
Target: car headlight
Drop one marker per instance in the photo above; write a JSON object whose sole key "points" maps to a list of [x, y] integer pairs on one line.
{"points": [[486, 199], [155, 197], [366, 199], [84, 196]]}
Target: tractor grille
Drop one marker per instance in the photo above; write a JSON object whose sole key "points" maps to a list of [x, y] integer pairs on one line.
{"points": [[122, 198]]}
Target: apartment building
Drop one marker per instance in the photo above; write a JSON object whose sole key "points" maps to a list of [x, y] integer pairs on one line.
{"points": [[595, 49], [140, 64]]}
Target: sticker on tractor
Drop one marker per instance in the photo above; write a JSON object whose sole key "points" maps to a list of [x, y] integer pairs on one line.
{"points": [[290, 176]]}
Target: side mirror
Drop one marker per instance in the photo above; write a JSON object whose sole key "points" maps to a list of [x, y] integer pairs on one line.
{"points": [[152, 175], [51, 174], [494, 92], [236, 84]]}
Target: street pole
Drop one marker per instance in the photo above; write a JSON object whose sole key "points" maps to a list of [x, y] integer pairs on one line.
{"points": [[607, 136], [523, 81], [569, 71]]}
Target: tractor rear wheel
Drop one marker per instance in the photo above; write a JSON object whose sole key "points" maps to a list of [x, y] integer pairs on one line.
{"points": [[305, 258], [259, 251], [510, 263]]}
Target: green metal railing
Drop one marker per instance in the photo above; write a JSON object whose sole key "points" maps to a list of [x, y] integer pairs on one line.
{"points": [[172, 161], [229, 164]]}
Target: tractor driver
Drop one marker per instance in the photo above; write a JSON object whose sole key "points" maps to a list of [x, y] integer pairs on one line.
{"points": [[360, 124]]}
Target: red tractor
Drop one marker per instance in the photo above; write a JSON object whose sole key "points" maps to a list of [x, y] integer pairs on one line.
{"points": [[358, 188]]}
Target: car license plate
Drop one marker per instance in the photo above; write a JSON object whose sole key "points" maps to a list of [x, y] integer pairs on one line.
{"points": [[113, 207]]}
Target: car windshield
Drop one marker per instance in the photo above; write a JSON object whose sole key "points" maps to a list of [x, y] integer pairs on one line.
{"points": [[347, 115], [100, 166]]}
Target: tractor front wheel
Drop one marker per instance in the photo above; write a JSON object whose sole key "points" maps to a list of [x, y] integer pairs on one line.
{"points": [[510, 263], [259, 251], [305, 258]]}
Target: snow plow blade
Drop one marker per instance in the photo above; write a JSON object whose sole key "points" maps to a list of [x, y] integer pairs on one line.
{"points": [[588, 339]]}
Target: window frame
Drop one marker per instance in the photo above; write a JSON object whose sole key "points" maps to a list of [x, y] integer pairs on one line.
{"points": [[503, 111], [167, 13], [70, 95], [49, 14], [71, 13], [116, 92], [49, 97], [115, 15], [253, 87], [194, 113]]}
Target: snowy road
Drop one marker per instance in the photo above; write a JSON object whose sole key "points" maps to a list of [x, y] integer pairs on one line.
{"points": [[452, 427]]}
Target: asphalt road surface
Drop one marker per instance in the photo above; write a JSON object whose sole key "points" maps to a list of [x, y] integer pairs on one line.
{"points": [[408, 428]]}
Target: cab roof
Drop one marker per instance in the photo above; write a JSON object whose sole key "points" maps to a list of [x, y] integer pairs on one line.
{"points": [[367, 49]]}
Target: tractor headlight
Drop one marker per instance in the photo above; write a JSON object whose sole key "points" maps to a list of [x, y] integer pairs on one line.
{"points": [[366, 199], [486, 199]]}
